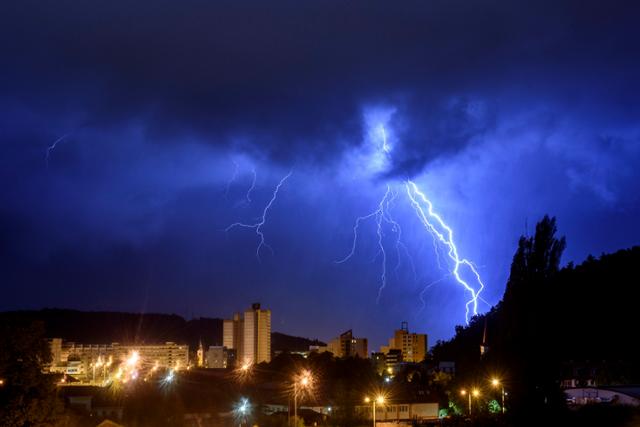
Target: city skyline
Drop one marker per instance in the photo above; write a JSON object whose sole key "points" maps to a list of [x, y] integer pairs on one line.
{"points": [[144, 183], [319, 213]]}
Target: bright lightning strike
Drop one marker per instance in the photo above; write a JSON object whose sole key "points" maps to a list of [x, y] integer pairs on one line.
{"points": [[441, 233], [385, 146], [437, 227], [257, 227]]}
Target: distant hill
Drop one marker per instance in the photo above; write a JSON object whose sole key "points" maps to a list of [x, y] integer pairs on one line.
{"points": [[280, 342], [93, 327]]}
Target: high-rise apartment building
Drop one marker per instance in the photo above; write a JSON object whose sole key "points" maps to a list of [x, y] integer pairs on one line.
{"points": [[257, 334], [347, 346], [233, 334], [412, 346], [250, 336]]}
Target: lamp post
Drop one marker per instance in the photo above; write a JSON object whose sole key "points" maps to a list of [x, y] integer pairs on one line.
{"points": [[303, 380], [497, 383], [242, 409], [475, 392], [378, 400]]}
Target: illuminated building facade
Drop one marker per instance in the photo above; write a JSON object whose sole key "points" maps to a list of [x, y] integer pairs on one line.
{"points": [[89, 362], [250, 336], [412, 346]]}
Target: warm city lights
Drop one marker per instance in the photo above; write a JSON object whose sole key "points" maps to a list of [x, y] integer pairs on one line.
{"points": [[361, 213]]}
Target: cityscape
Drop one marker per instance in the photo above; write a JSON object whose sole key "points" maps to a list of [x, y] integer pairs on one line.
{"points": [[321, 213]]}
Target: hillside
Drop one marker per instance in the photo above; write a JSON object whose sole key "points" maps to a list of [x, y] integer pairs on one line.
{"points": [[554, 324], [91, 327]]}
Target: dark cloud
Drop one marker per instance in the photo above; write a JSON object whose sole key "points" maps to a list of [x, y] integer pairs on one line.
{"points": [[293, 78], [503, 110]]}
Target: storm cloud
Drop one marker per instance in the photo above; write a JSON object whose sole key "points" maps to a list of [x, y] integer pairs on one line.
{"points": [[503, 110]]}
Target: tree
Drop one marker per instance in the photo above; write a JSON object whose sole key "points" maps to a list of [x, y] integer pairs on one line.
{"points": [[525, 322], [27, 395]]}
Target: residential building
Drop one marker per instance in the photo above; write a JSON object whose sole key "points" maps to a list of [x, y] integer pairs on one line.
{"points": [[250, 335], [218, 357], [346, 345], [257, 335], [91, 362], [413, 346], [233, 334]]}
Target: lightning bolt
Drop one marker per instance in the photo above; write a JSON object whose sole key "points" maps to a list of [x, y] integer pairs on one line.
{"points": [[395, 227], [253, 185], [53, 147], [257, 227], [385, 146], [381, 216], [441, 233], [435, 225]]}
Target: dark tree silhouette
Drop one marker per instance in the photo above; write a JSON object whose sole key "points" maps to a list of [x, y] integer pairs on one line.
{"points": [[552, 324], [27, 395]]}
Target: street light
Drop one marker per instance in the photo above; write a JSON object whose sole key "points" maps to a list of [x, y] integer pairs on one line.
{"points": [[497, 383], [242, 409], [244, 371], [475, 392], [304, 380], [378, 400]]}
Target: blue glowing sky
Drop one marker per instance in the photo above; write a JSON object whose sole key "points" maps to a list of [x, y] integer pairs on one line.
{"points": [[161, 113]]}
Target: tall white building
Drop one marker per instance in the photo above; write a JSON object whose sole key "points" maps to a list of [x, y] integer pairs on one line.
{"points": [[257, 334], [249, 336], [233, 334]]}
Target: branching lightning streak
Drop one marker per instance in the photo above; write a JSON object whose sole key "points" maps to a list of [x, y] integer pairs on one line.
{"points": [[381, 214], [380, 233], [436, 226], [53, 146], [436, 250], [426, 288], [395, 227], [261, 220], [253, 185]]}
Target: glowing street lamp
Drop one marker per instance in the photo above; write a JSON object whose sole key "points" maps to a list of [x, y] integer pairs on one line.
{"points": [[242, 410], [244, 371], [475, 392], [379, 400], [304, 380], [495, 382]]}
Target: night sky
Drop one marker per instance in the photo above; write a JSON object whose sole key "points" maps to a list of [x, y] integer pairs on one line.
{"points": [[130, 133]]}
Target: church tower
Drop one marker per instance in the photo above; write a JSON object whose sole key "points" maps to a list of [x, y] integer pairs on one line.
{"points": [[200, 355]]}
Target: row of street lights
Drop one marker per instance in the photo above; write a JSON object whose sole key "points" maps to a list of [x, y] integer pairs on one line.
{"points": [[475, 392], [378, 400], [302, 382]]}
